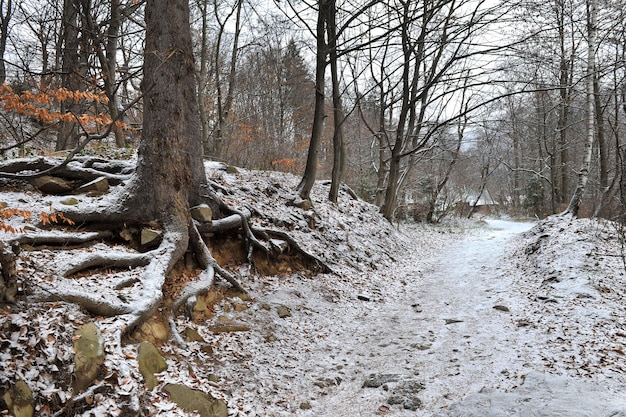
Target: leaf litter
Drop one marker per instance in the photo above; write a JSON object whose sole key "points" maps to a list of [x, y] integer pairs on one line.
{"points": [[464, 318]]}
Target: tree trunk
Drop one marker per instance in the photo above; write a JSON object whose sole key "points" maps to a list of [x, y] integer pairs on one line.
{"points": [[6, 12], [310, 171], [170, 169], [67, 137], [583, 174], [339, 150]]}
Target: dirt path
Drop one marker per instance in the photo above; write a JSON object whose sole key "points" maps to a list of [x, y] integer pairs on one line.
{"points": [[443, 334], [454, 344]]}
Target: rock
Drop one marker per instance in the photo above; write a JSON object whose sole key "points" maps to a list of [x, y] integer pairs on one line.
{"points": [[100, 185], [155, 330], [452, 321], [88, 356], [501, 308], [150, 237], [377, 380], [202, 213], [279, 246], [192, 400], [239, 307], [52, 185], [283, 312], [19, 400], [200, 306], [305, 405], [405, 394], [363, 297], [229, 326], [69, 201], [192, 335], [150, 362]]}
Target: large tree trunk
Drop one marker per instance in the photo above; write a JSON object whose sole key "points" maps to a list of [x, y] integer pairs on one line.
{"points": [[170, 171]]}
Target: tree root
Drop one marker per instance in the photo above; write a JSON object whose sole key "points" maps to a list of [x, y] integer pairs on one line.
{"points": [[8, 278]]}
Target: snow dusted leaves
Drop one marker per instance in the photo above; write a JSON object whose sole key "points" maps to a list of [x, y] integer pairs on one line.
{"points": [[36, 347], [573, 272]]}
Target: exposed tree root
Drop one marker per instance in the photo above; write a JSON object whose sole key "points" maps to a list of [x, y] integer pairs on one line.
{"points": [[84, 169], [8, 278], [122, 208]]}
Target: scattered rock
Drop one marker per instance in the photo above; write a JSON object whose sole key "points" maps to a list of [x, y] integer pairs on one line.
{"points": [[150, 362], [202, 213], [98, 186], [279, 246], [229, 326], [501, 308], [155, 331], [377, 380], [239, 307], [192, 335], [69, 201], [52, 185], [19, 400], [150, 237], [283, 312], [327, 382], [192, 400], [88, 356], [405, 394]]}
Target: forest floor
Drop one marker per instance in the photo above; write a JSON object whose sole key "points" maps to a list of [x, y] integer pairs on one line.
{"points": [[466, 318]]}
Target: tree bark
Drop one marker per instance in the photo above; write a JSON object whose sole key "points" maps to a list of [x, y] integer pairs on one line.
{"points": [[310, 171], [583, 174], [170, 171], [339, 149]]}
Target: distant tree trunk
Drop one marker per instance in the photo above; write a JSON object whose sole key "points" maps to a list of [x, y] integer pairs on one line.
{"points": [[339, 150], [583, 174], [6, 12], [310, 171], [225, 98], [67, 137], [107, 58]]}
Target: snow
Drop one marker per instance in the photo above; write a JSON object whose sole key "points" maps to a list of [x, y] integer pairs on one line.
{"points": [[467, 318]]}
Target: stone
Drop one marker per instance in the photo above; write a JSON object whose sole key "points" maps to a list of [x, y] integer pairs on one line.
{"points": [[239, 307], [279, 246], [88, 356], [200, 306], [229, 326], [150, 237], [52, 185], [202, 213], [99, 186], [501, 308], [19, 400], [150, 362], [377, 380], [283, 312], [69, 201], [405, 394], [192, 400], [305, 405], [192, 335]]}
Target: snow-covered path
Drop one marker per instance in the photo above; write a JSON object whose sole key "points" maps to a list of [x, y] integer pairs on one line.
{"points": [[452, 341]]}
